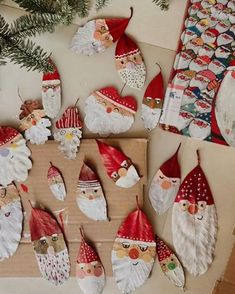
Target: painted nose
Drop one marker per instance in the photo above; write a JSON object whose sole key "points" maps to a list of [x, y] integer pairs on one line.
{"points": [[4, 152], [50, 91], [91, 197], [69, 136], [34, 122], [88, 271], [192, 209], [134, 253], [130, 65], [50, 250], [122, 172], [108, 109], [166, 185]]}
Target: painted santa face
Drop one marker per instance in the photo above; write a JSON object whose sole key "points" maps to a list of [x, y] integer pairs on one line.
{"points": [[182, 60], [222, 26], [132, 70], [184, 119], [202, 106], [203, 13], [224, 39], [187, 36], [150, 112], [193, 9], [199, 81], [181, 79], [57, 187], [198, 64], [202, 25], [188, 97], [206, 4], [132, 263], [199, 128], [105, 117], [11, 217], [14, 161], [216, 67], [191, 21], [224, 2], [231, 5], [102, 33], [216, 9], [69, 139], [206, 50], [208, 37], [194, 45], [51, 97], [224, 14], [52, 257]]}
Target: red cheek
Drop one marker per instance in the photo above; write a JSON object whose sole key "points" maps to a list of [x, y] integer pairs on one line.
{"points": [[80, 274], [98, 271]]}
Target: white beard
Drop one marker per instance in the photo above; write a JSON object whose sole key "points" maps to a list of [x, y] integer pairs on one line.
{"points": [[194, 239], [69, 147], [95, 209], [83, 41], [188, 99], [195, 48], [130, 179], [176, 276], [99, 121], [128, 276], [198, 132], [15, 166], [150, 117], [134, 78], [54, 268], [92, 285], [183, 122], [39, 133], [197, 67], [203, 52], [181, 62], [185, 38], [216, 69], [205, 4], [198, 84], [201, 109], [162, 199], [222, 41], [58, 191], [207, 39], [180, 82], [10, 228], [220, 28], [51, 100]]}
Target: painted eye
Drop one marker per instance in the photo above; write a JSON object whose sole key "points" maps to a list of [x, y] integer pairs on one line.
{"points": [[201, 205], [43, 241], [174, 181], [125, 245], [3, 193], [184, 205], [148, 99], [103, 28], [161, 177], [62, 132], [74, 132], [143, 247], [7, 214], [32, 116], [135, 59], [158, 101], [107, 38], [114, 175], [83, 192], [124, 164], [116, 109], [104, 103], [54, 238], [122, 62], [95, 191]]}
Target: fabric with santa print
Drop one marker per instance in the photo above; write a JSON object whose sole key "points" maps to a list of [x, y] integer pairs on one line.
{"points": [[153, 102], [205, 53], [130, 63], [51, 92], [109, 113], [134, 252], [165, 185], [33, 122], [14, 157], [118, 166], [69, 132], [90, 273], [90, 196], [11, 218], [56, 183], [194, 219], [99, 34], [170, 264], [49, 247]]}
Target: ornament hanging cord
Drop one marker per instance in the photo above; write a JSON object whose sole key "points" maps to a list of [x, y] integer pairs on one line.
{"points": [[76, 102]]}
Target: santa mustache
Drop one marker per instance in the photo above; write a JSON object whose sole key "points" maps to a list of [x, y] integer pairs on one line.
{"points": [[197, 131], [39, 133], [150, 116], [92, 285], [130, 179]]}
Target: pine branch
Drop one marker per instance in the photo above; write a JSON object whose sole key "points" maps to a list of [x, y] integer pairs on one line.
{"points": [[81, 7], [101, 4], [163, 4], [39, 6]]}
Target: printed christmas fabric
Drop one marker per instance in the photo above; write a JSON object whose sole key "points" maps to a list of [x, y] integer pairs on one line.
{"points": [[203, 67]]}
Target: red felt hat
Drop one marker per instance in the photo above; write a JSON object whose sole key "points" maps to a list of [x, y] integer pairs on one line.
{"points": [[69, 119], [117, 26], [42, 224], [136, 227], [111, 94], [86, 253], [112, 157], [163, 251], [87, 177], [49, 76], [171, 167], [126, 46], [7, 134], [155, 88]]}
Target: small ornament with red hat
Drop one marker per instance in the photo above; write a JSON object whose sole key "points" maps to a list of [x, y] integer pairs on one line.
{"points": [[170, 264], [107, 112], [130, 63], [118, 166], [56, 183], [99, 34], [165, 184], [134, 251], [49, 247], [51, 92], [69, 132], [14, 156], [194, 222], [90, 272], [90, 196]]}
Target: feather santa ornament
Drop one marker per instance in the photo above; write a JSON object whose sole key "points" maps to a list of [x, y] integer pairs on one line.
{"points": [[49, 247], [90, 195], [109, 113], [170, 264], [56, 183], [129, 63], [11, 218], [118, 166], [165, 185], [34, 123], [14, 157], [69, 132], [134, 252], [194, 218], [51, 92], [153, 102], [89, 270], [99, 34]]}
